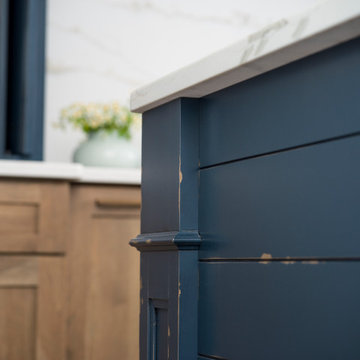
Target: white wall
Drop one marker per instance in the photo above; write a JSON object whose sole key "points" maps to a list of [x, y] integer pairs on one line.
{"points": [[100, 50]]}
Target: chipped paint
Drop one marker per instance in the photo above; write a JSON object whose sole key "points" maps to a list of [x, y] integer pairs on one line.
{"points": [[265, 256], [148, 241], [311, 262], [288, 261], [180, 172], [168, 330]]}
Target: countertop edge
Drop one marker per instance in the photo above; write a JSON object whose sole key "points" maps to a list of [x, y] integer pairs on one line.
{"points": [[75, 173], [286, 40]]}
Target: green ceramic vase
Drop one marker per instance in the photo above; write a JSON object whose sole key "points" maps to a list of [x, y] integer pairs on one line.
{"points": [[102, 148]]}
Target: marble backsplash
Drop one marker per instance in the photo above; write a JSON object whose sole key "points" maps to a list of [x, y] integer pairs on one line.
{"points": [[101, 50]]}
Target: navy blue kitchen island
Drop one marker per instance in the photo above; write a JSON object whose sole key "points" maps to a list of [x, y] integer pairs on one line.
{"points": [[250, 230]]}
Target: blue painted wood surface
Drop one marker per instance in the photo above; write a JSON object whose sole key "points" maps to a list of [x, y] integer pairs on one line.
{"points": [[170, 157], [277, 157], [306, 101], [295, 311], [169, 238], [304, 202], [160, 169], [159, 278]]}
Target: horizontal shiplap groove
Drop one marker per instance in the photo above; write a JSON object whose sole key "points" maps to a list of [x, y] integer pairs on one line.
{"points": [[291, 148], [285, 260]]}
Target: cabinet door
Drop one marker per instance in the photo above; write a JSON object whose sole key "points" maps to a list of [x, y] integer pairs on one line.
{"points": [[103, 273], [32, 318], [33, 216]]}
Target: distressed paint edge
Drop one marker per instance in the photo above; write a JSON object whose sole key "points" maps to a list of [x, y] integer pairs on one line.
{"points": [[164, 241]]}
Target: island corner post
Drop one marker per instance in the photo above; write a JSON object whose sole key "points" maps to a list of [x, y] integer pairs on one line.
{"points": [[250, 197], [169, 238]]}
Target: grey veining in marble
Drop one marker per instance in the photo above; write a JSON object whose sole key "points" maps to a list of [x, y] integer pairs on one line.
{"points": [[286, 40]]}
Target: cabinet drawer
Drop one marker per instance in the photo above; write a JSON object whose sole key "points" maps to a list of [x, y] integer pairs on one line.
{"points": [[33, 216]]}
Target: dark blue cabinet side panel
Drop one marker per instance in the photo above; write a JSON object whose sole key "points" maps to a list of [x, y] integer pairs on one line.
{"points": [[169, 237], [160, 168], [169, 299], [299, 311], [304, 202], [306, 101], [170, 158], [189, 164], [161, 322], [159, 304]]}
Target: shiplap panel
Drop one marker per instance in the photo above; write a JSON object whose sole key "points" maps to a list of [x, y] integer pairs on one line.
{"points": [[309, 100], [304, 202], [280, 311]]}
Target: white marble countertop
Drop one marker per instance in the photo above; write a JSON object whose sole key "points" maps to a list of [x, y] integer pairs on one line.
{"points": [[329, 23], [69, 171]]}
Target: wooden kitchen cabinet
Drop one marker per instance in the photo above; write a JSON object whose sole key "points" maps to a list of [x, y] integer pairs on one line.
{"points": [[103, 273], [32, 308], [33, 216], [69, 281]]}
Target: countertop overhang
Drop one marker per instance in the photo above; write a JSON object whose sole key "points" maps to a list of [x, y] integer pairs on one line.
{"points": [[325, 25], [69, 171]]}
